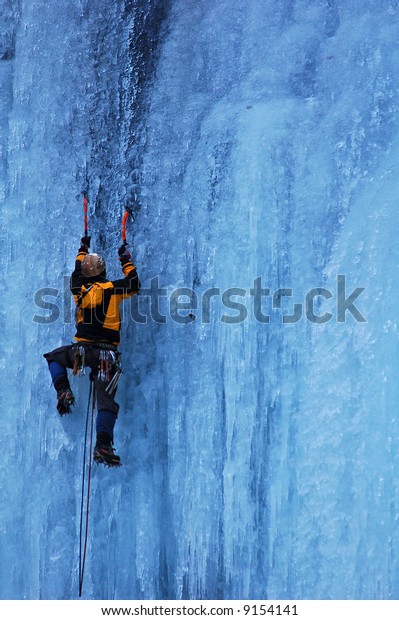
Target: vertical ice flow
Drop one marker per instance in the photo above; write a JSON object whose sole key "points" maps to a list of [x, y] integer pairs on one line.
{"points": [[261, 139]]}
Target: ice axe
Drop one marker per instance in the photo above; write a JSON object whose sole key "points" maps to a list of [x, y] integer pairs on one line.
{"points": [[85, 214], [128, 213]]}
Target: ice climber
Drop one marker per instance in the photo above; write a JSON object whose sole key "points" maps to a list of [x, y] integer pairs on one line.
{"points": [[97, 338]]}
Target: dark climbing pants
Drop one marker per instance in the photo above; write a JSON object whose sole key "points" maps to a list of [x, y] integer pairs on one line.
{"points": [[62, 358]]}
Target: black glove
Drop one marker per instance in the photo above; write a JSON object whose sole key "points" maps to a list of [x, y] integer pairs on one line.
{"points": [[85, 242], [124, 254]]}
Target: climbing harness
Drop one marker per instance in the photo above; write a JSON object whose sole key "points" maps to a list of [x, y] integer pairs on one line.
{"points": [[109, 364]]}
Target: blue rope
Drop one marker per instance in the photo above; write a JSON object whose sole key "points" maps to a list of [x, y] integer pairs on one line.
{"points": [[83, 546]]}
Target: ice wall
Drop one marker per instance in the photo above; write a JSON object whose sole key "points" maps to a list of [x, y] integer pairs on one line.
{"points": [[260, 140]]}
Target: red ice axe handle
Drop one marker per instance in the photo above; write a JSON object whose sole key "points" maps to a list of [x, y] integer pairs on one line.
{"points": [[128, 212], [85, 214]]}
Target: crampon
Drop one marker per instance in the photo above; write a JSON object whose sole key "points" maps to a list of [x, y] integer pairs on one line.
{"points": [[66, 400], [105, 454]]}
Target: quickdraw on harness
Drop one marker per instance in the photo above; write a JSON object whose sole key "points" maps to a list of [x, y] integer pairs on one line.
{"points": [[79, 361], [109, 369]]}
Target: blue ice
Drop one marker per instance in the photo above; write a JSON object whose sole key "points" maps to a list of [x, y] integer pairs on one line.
{"points": [[260, 140]]}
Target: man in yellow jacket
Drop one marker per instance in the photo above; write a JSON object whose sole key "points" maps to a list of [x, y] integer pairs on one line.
{"points": [[97, 338]]}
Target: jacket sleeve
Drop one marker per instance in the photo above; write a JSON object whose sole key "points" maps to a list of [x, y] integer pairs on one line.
{"points": [[76, 280], [130, 284]]}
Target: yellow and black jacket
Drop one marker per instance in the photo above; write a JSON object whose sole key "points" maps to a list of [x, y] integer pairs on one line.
{"points": [[98, 299]]}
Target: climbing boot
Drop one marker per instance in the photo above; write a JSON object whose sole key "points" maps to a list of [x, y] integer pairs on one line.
{"points": [[104, 452]]}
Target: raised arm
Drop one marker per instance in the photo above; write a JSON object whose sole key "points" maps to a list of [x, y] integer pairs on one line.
{"points": [[130, 284], [77, 277]]}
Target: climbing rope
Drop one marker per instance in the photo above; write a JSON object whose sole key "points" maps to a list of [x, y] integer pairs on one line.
{"points": [[84, 509]]}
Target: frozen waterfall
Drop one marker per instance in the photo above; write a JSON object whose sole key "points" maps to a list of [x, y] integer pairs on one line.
{"points": [[258, 424]]}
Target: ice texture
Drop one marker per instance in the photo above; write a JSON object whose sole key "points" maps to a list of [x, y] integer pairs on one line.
{"points": [[260, 142]]}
